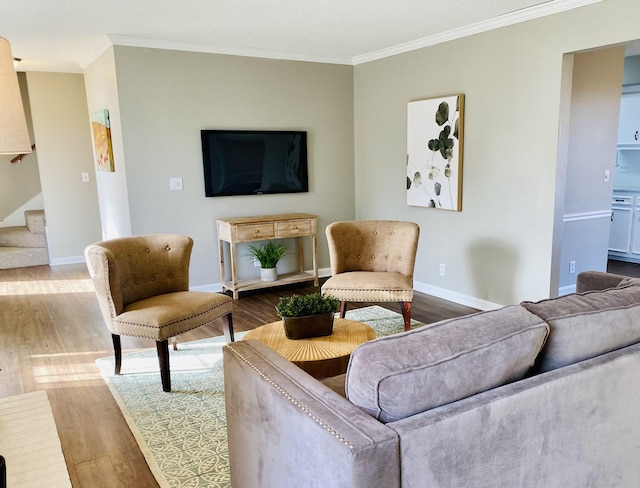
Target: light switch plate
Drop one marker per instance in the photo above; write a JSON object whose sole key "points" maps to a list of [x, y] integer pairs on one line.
{"points": [[175, 183]]}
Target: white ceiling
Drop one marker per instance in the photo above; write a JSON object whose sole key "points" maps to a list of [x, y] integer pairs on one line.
{"points": [[67, 35]]}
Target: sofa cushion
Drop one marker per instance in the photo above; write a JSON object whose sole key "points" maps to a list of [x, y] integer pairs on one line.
{"points": [[585, 325], [398, 376]]}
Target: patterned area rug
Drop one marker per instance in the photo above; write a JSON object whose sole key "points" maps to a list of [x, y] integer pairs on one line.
{"points": [[182, 434]]}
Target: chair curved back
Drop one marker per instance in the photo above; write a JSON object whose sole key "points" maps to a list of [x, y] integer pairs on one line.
{"points": [[373, 245], [128, 269]]}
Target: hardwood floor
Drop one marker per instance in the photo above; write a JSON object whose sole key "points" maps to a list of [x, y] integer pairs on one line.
{"points": [[623, 268], [51, 333]]}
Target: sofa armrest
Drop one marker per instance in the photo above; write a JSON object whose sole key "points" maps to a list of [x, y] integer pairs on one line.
{"points": [[285, 428], [597, 280]]}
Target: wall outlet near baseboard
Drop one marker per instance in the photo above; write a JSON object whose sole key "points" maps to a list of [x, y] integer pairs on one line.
{"points": [[572, 267], [442, 269]]}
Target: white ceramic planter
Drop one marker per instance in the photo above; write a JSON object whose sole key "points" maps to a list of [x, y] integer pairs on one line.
{"points": [[268, 274]]}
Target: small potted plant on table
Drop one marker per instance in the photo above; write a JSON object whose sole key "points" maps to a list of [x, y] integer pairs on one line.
{"points": [[306, 316], [268, 255]]}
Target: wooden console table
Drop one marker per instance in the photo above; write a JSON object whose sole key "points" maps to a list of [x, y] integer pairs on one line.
{"points": [[250, 229]]}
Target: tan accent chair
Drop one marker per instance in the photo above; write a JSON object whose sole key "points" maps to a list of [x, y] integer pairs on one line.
{"points": [[372, 261], [142, 284]]}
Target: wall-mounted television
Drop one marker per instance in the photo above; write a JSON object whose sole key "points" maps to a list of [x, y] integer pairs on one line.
{"points": [[254, 162]]}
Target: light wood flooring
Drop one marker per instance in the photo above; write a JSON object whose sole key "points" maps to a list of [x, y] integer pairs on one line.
{"points": [[51, 333]]}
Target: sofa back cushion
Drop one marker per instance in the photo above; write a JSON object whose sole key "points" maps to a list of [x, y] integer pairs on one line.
{"points": [[585, 325], [398, 376]]}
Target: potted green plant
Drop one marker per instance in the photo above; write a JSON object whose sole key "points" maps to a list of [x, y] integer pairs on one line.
{"points": [[305, 316], [268, 255]]}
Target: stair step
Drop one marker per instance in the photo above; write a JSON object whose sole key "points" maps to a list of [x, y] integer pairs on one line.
{"points": [[35, 221], [21, 237], [20, 257]]}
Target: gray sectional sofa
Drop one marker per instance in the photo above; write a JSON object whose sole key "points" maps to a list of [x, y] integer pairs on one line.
{"points": [[539, 394]]}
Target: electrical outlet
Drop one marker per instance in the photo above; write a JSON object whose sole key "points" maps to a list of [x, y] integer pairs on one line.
{"points": [[572, 267], [606, 175], [441, 269], [175, 183]]}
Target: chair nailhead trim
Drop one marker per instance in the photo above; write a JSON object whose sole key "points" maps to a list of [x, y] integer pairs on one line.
{"points": [[288, 396]]}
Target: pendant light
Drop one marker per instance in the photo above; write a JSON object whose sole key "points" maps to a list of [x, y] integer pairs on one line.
{"points": [[14, 137]]}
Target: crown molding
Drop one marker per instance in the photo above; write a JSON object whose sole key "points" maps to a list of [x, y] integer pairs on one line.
{"points": [[543, 10], [94, 53], [550, 7], [200, 48]]}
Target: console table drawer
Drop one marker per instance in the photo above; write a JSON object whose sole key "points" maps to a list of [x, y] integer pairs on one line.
{"points": [[254, 231], [294, 228]]}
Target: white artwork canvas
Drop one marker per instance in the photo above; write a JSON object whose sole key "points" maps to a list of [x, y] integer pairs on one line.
{"points": [[434, 152]]}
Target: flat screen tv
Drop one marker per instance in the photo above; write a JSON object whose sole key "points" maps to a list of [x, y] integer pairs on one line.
{"points": [[254, 162]]}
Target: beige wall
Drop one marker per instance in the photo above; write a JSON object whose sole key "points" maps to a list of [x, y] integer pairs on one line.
{"points": [[596, 86], [503, 246], [113, 195], [499, 248], [167, 97], [19, 182], [61, 132]]}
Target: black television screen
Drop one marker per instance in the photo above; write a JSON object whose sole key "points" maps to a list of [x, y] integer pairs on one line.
{"points": [[254, 162]]}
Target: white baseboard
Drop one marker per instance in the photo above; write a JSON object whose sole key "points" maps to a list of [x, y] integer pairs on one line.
{"points": [[435, 291], [212, 288], [67, 260], [449, 295], [217, 287], [455, 297], [566, 290]]}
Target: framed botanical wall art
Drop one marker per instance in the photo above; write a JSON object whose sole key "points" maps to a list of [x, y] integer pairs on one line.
{"points": [[101, 129], [434, 152]]}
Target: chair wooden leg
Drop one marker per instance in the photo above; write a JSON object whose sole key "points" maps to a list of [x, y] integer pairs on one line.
{"points": [[343, 309], [163, 358], [406, 314], [117, 349], [227, 327]]}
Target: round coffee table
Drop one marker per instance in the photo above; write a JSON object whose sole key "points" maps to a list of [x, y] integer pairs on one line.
{"points": [[321, 357]]}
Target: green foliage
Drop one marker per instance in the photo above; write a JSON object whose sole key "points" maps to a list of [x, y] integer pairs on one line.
{"points": [[268, 254], [302, 305]]}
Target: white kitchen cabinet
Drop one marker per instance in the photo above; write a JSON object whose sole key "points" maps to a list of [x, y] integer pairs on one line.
{"points": [[629, 124], [624, 234], [621, 223]]}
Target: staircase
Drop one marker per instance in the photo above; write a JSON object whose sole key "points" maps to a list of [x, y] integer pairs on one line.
{"points": [[24, 245]]}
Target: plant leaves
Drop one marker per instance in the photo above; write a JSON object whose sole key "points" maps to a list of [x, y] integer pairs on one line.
{"points": [[437, 188], [455, 130], [445, 143], [434, 144], [417, 179], [408, 182], [442, 115]]}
